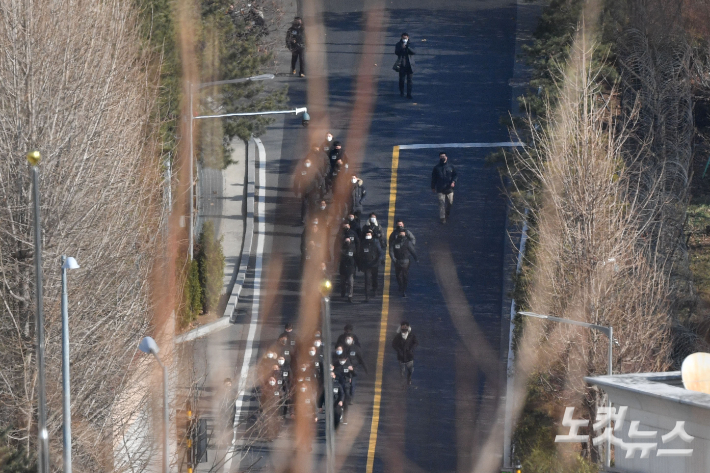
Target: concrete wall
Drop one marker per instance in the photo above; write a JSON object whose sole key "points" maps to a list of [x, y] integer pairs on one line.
{"points": [[657, 405]]}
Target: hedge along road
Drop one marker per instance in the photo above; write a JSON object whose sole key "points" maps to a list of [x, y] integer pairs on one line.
{"points": [[465, 56]]}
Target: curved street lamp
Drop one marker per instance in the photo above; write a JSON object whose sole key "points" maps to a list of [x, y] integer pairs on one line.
{"points": [[67, 263]]}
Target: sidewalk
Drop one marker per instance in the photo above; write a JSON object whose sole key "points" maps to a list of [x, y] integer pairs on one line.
{"points": [[222, 200]]}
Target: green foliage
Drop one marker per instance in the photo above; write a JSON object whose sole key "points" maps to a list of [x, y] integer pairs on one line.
{"points": [[13, 458], [536, 428], [211, 263], [540, 461], [191, 294], [230, 47], [158, 31]]}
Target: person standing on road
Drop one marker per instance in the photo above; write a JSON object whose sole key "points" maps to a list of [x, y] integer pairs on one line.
{"points": [[400, 250], [399, 227], [327, 145], [443, 181], [378, 233], [347, 268], [347, 332], [357, 195], [403, 51], [404, 343], [370, 255], [296, 43], [307, 185]]}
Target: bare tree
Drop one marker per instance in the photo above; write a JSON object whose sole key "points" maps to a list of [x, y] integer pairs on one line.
{"points": [[73, 84], [593, 259]]}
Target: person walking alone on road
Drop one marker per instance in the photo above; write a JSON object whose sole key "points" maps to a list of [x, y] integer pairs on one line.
{"points": [[399, 227], [296, 43], [404, 343], [403, 65], [400, 250], [443, 181]]}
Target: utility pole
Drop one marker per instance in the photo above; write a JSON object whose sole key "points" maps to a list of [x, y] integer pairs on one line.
{"points": [[328, 380]]}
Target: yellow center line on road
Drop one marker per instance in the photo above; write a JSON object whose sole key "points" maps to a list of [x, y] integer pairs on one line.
{"points": [[383, 323]]}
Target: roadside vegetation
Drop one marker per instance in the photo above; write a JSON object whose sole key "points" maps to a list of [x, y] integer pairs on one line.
{"points": [[77, 86], [607, 179]]}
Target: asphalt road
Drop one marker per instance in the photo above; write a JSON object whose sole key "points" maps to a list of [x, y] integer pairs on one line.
{"points": [[464, 61]]}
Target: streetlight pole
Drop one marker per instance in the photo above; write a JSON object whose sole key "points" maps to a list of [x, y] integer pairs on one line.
{"points": [[67, 263], [148, 345], [191, 242], [609, 332], [34, 157], [326, 286], [190, 88]]}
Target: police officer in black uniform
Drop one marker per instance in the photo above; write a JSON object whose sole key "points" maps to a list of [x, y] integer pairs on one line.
{"points": [[370, 255], [400, 250], [344, 373], [347, 332], [347, 268], [378, 233]]}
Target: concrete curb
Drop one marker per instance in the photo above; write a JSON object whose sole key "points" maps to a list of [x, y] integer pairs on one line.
{"points": [[248, 235], [229, 311]]}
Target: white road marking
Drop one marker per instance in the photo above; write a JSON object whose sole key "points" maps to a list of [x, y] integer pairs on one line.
{"points": [[504, 144], [249, 349]]}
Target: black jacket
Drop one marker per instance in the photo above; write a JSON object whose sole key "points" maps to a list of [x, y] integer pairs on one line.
{"points": [[354, 352], [357, 195], [343, 336], [400, 251], [404, 348], [347, 259], [378, 233], [295, 38], [408, 234], [336, 154], [442, 176], [370, 254], [307, 179], [403, 52]]}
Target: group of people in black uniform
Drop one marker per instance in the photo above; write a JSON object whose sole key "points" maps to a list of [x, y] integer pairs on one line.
{"points": [[356, 246], [286, 382]]}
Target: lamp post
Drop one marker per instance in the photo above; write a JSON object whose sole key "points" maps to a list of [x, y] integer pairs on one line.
{"points": [[67, 263], [609, 332], [325, 288], [34, 157], [148, 345], [190, 88]]}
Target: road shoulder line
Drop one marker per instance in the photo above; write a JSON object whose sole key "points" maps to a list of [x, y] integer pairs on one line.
{"points": [[502, 144], [254, 323], [383, 323]]}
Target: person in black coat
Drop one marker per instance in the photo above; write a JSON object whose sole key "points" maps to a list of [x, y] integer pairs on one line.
{"points": [[347, 332], [404, 343], [308, 185], [347, 268], [296, 43], [378, 233], [400, 250], [443, 181], [369, 257], [398, 228], [403, 51]]}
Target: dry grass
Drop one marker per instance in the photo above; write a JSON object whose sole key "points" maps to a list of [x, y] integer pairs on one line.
{"points": [[594, 261]]}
